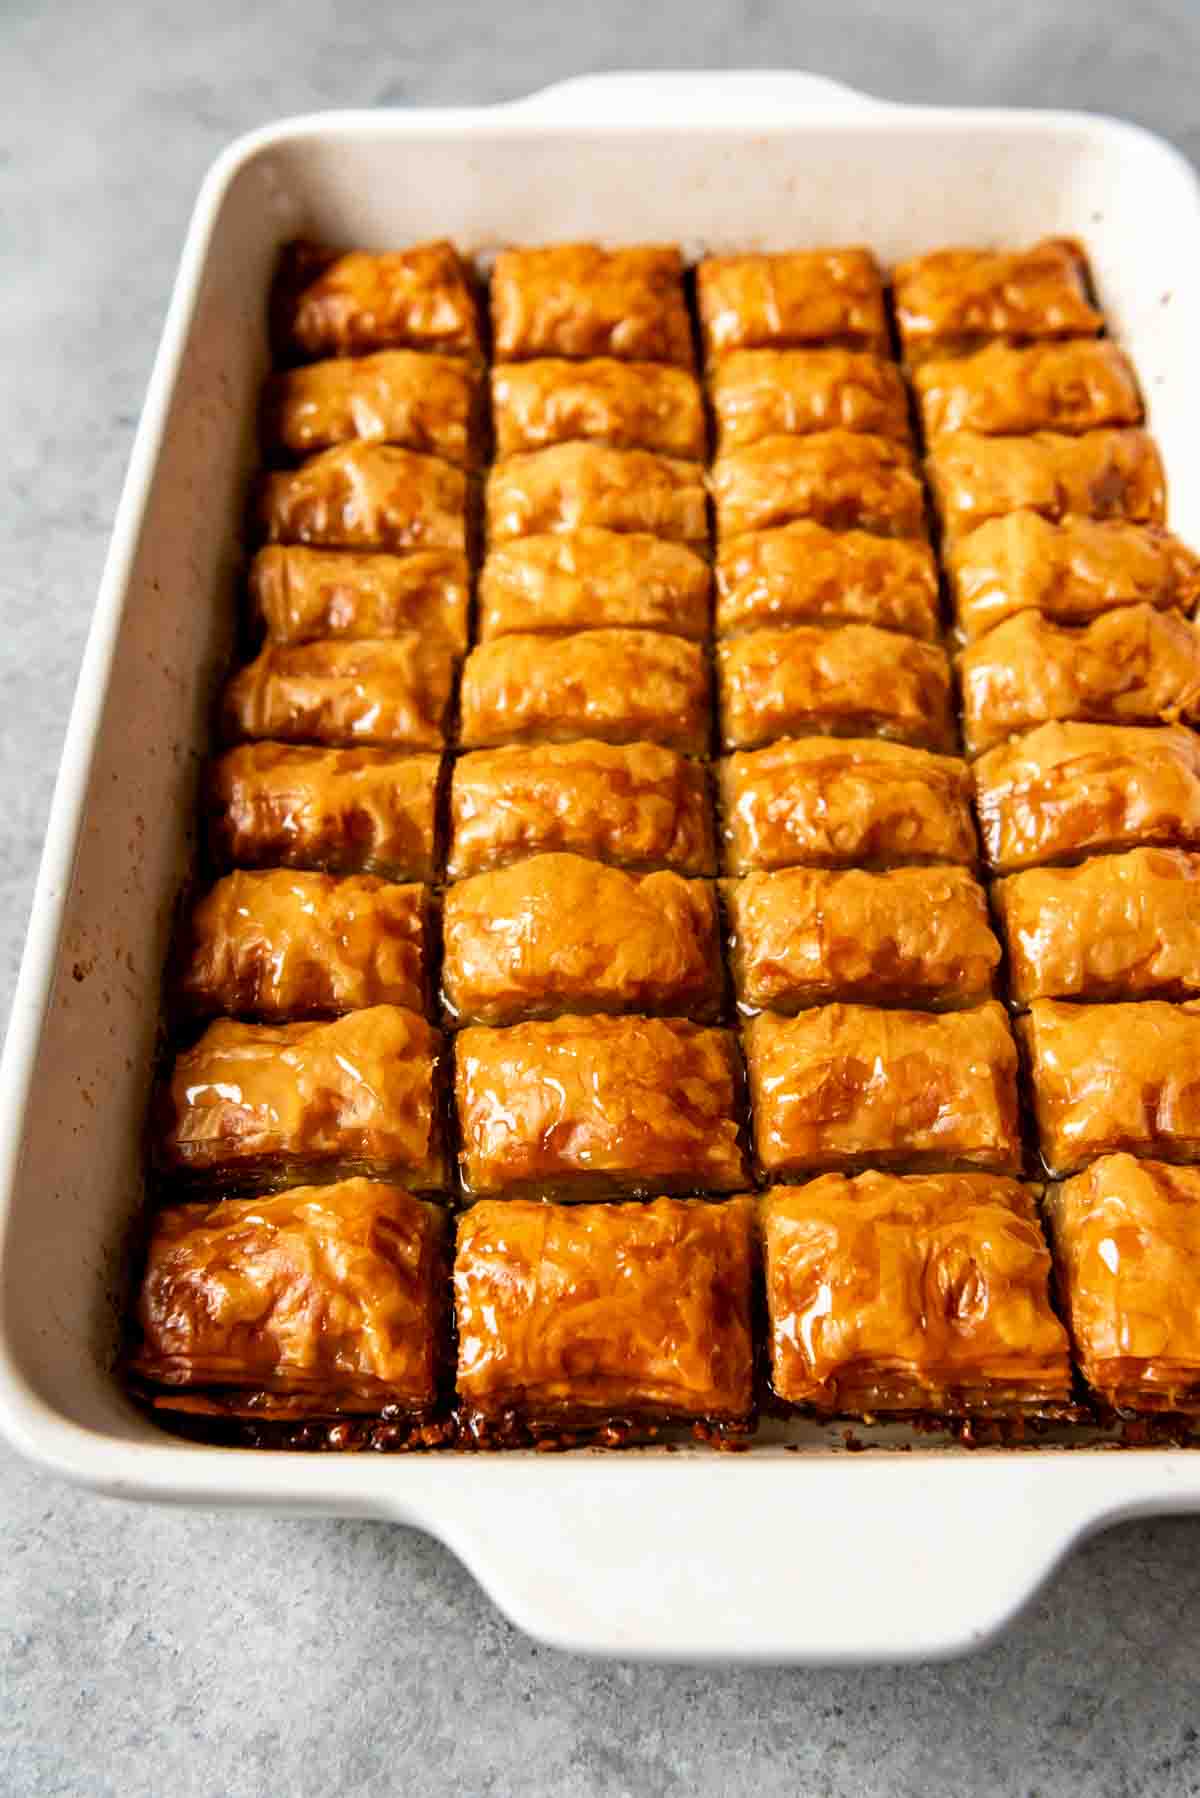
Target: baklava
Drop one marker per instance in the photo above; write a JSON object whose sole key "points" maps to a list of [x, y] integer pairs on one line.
{"points": [[1102, 474], [792, 298], [328, 303], [1069, 790], [1079, 385], [930, 1293], [1126, 1237], [805, 573], [909, 937], [578, 1315], [580, 301], [757, 393], [852, 681], [1109, 1077], [636, 805], [366, 496], [953, 301], [302, 595], [587, 579], [627, 405], [339, 811], [1132, 666], [393, 692], [836, 804], [616, 686], [845, 480], [572, 486], [316, 1303], [592, 1107], [280, 945], [558, 933], [421, 402], [277, 1104], [1115, 927], [1071, 572], [844, 1086]]}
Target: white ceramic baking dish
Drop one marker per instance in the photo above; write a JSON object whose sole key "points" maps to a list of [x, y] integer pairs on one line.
{"points": [[800, 1553]]}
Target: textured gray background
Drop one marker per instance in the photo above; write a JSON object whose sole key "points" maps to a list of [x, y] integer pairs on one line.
{"points": [[148, 1652]]}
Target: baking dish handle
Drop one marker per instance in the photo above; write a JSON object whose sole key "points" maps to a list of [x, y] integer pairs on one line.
{"points": [[703, 96]]}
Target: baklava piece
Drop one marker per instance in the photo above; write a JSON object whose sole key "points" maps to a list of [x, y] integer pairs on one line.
{"points": [[580, 301], [925, 1294], [592, 1107], [1126, 1239], [833, 804], [393, 692], [617, 686], [591, 578], [320, 1302], [1116, 927], [805, 573], [1069, 790], [758, 393], [274, 1104], [792, 298], [1071, 572], [854, 681], [951, 302], [1131, 666], [328, 303], [428, 403], [560, 934], [842, 479], [572, 1316], [573, 485], [627, 405], [337, 811], [1076, 386], [303, 595], [1109, 1077], [914, 936], [1103, 474], [636, 805], [846, 1086], [282, 945], [366, 496]]}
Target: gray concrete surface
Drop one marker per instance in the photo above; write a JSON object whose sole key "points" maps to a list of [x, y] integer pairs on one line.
{"points": [[166, 1653]]}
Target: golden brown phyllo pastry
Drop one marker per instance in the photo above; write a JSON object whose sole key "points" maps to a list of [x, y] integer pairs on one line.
{"points": [[590, 578], [1103, 474], [628, 405], [845, 1086], [804, 572], [275, 1104], [366, 496], [846, 480], [591, 1107], [421, 402], [616, 686], [570, 1315], [560, 934], [951, 302], [578, 300], [926, 1293], [1068, 790], [1071, 572], [791, 298], [637, 805], [913, 936], [1109, 1077], [573, 486], [280, 945], [392, 692], [301, 595], [1127, 1248], [328, 303], [823, 804], [1079, 385], [756, 393], [318, 1302], [1116, 927], [340, 811]]}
